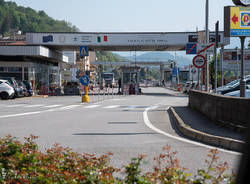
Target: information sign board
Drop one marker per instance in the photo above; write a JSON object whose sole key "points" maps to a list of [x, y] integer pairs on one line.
{"points": [[237, 21]]}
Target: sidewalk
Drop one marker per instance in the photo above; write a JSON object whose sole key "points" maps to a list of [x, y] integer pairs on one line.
{"points": [[196, 126]]}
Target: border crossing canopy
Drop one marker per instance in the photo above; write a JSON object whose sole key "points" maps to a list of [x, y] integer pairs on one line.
{"points": [[118, 41]]}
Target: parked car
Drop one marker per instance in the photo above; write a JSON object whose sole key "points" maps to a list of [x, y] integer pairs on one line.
{"points": [[71, 88], [189, 85], [6, 90], [23, 87], [13, 82], [237, 93], [28, 87], [232, 86]]}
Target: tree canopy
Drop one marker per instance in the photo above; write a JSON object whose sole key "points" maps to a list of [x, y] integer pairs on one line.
{"points": [[13, 17]]}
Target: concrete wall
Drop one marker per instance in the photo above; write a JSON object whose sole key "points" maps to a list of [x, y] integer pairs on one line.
{"points": [[228, 110]]}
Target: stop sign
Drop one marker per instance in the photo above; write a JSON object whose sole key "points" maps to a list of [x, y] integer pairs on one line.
{"points": [[199, 61]]}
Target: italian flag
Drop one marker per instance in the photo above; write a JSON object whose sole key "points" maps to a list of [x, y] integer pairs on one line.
{"points": [[102, 39]]}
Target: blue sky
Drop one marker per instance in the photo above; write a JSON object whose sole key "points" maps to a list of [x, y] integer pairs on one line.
{"points": [[134, 15]]}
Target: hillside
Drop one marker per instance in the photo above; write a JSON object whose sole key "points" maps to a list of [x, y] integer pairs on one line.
{"points": [[109, 56], [162, 56], [13, 17]]}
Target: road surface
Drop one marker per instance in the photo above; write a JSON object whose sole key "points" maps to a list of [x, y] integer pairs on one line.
{"points": [[124, 125]]}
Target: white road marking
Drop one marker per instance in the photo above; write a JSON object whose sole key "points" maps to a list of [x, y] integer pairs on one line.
{"points": [[91, 106], [39, 112], [68, 107], [37, 105], [149, 124], [111, 107], [117, 99], [21, 114], [51, 106], [18, 105]]}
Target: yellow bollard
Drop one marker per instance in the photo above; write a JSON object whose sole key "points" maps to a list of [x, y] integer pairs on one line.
{"points": [[85, 97]]}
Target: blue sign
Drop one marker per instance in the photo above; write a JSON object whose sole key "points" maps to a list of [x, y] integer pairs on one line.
{"points": [[84, 80], [191, 48], [48, 38], [84, 51], [175, 72]]}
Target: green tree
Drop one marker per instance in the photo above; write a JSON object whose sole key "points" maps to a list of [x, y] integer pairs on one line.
{"points": [[29, 20]]}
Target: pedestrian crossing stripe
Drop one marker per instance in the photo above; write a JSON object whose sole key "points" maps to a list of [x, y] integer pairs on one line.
{"points": [[111, 107], [85, 106], [91, 106]]}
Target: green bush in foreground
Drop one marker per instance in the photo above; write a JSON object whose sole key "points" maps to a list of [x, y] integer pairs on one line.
{"points": [[24, 163]]}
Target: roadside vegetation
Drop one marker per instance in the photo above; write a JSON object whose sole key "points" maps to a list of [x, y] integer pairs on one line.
{"points": [[24, 163]]}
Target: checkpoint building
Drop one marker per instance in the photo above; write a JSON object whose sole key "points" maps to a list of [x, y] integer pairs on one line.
{"points": [[40, 59]]}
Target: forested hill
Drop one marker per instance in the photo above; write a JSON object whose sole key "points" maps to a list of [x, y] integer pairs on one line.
{"points": [[13, 17]]}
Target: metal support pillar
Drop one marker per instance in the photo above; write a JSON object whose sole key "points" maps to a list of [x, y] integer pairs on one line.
{"points": [[207, 42], [161, 72], [221, 64], [242, 77]]}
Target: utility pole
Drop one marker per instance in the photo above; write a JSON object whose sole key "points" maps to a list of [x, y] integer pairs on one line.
{"points": [[207, 42], [215, 53]]}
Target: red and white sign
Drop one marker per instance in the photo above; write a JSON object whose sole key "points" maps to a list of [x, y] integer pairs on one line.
{"points": [[199, 61]]}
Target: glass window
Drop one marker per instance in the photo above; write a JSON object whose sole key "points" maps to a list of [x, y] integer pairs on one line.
{"points": [[126, 78], [14, 69]]}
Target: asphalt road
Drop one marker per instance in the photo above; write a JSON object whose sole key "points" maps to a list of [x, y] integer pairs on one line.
{"points": [[124, 125]]}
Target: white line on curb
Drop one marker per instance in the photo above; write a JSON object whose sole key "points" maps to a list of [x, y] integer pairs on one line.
{"points": [[149, 124]]}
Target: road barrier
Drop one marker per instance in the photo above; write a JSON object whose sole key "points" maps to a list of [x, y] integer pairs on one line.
{"points": [[229, 111], [98, 93]]}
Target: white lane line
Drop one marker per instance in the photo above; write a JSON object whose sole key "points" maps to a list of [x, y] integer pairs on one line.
{"points": [[111, 107], [21, 114], [51, 106], [37, 105], [149, 124], [91, 106], [117, 99], [18, 105], [39, 112], [68, 107]]}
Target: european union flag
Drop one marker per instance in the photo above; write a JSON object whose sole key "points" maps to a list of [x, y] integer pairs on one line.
{"points": [[48, 38]]}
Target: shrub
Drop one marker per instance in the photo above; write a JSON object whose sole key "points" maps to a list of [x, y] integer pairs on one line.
{"points": [[24, 163]]}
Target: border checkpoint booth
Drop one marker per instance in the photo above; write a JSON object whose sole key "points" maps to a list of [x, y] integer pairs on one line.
{"points": [[130, 80]]}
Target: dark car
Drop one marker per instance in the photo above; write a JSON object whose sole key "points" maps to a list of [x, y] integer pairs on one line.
{"points": [[71, 88], [232, 86], [28, 87], [237, 93], [13, 82], [23, 87]]}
